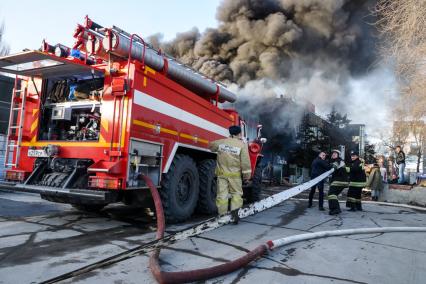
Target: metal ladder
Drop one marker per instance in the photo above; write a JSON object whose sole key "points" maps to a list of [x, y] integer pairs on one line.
{"points": [[15, 128]]}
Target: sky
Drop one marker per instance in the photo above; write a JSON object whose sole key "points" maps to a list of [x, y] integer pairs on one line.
{"points": [[27, 22]]}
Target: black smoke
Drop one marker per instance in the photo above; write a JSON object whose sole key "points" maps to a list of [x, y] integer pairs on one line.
{"points": [[310, 50], [269, 38]]}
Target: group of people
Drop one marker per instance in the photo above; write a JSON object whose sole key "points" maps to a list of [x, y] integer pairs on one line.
{"points": [[233, 166], [351, 175]]}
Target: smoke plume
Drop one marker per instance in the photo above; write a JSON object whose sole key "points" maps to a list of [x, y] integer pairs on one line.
{"points": [[267, 38], [322, 51]]}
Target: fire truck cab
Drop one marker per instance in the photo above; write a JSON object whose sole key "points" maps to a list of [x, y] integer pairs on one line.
{"points": [[83, 128]]}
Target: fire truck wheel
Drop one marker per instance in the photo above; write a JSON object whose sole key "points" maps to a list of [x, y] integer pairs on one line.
{"points": [[89, 207], [256, 187], [179, 189], [208, 190]]}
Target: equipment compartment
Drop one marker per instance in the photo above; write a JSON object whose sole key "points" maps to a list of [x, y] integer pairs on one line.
{"points": [[71, 109]]}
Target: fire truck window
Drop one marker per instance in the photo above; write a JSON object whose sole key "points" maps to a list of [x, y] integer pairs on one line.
{"points": [[71, 108]]}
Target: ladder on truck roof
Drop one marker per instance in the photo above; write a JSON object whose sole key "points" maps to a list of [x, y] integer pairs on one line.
{"points": [[16, 123]]}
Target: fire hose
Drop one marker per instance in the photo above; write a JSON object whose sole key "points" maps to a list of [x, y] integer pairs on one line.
{"points": [[226, 268], [191, 275], [208, 225]]}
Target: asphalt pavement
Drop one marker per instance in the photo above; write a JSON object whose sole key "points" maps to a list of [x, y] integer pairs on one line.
{"points": [[40, 240]]}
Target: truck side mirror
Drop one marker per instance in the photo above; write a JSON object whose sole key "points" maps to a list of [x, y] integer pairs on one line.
{"points": [[259, 131]]}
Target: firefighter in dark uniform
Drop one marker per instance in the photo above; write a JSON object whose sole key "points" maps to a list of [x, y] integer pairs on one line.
{"points": [[338, 182], [357, 181], [319, 166]]}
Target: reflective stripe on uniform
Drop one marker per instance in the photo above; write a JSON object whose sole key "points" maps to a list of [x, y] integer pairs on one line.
{"points": [[222, 206], [339, 183], [246, 172], [357, 184], [357, 200], [222, 201], [236, 202], [332, 197], [351, 199], [221, 173], [348, 169], [229, 175]]}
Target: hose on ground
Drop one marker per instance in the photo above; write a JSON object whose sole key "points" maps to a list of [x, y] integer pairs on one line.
{"points": [[336, 233], [415, 207], [197, 274], [226, 268]]}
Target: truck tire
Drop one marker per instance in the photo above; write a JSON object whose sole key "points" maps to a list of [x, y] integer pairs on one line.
{"points": [[256, 186], [54, 179], [179, 189], [208, 188], [89, 207]]}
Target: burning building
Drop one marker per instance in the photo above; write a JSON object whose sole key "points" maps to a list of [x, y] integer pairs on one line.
{"points": [[296, 134]]}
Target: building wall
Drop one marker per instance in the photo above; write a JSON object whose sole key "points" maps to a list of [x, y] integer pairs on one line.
{"points": [[357, 132]]}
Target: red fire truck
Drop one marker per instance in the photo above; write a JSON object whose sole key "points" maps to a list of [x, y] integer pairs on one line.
{"points": [[87, 121]]}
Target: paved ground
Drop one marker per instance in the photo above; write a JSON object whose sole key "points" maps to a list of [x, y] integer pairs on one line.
{"points": [[39, 240]]}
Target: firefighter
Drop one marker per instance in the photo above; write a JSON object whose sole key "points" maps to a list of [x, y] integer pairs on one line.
{"points": [[357, 181], [338, 182], [233, 163]]}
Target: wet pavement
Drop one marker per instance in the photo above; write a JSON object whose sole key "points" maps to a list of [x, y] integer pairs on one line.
{"points": [[40, 240]]}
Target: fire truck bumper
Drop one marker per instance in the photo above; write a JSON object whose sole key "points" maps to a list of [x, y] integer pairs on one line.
{"points": [[64, 195]]}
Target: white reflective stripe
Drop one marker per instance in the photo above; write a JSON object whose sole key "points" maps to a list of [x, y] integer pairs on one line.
{"points": [[162, 107], [170, 158], [246, 172], [230, 149]]}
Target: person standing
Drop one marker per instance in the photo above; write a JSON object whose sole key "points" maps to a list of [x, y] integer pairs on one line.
{"points": [[318, 167], [232, 164], [400, 161], [382, 167], [357, 179], [338, 182], [375, 182]]}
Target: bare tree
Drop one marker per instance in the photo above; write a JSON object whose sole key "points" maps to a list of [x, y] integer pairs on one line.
{"points": [[417, 129], [4, 48], [400, 134], [402, 24]]}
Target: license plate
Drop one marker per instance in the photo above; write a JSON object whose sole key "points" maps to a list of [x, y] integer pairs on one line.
{"points": [[37, 153]]}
